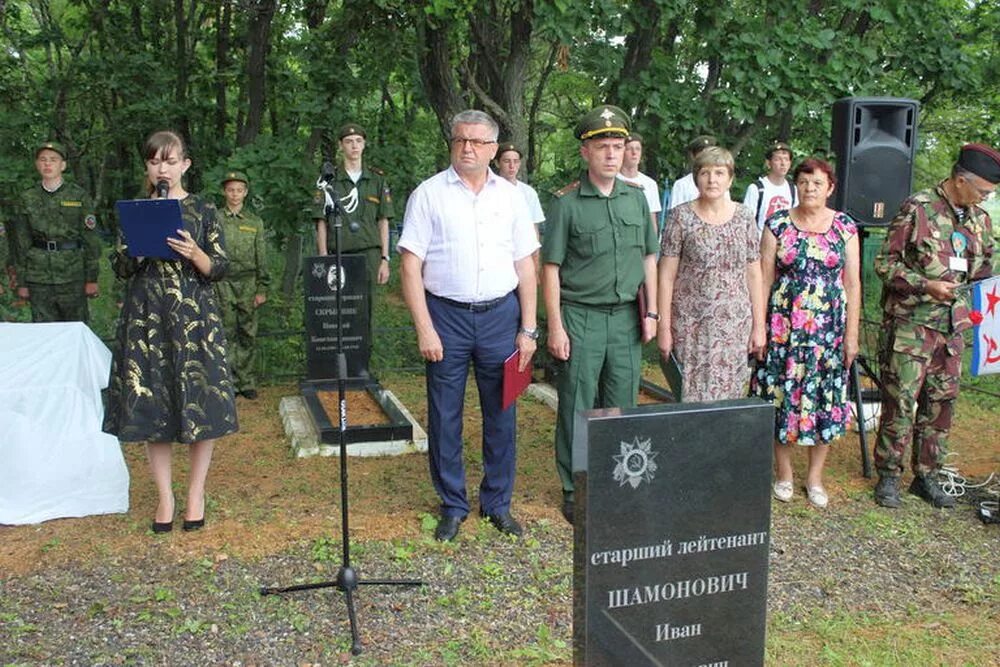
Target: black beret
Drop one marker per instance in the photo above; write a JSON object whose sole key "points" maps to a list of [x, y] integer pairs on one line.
{"points": [[980, 160]]}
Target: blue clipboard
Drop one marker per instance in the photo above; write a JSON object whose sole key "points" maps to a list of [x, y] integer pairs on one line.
{"points": [[146, 224]]}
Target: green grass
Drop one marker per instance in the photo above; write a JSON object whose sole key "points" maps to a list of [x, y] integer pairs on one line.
{"points": [[863, 639]]}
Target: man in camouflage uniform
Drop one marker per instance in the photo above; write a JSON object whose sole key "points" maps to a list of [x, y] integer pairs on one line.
{"points": [[939, 241], [244, 288], [367, 203], [599, 249], [55, 245]]}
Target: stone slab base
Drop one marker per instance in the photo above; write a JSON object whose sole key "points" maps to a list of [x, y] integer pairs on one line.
{"points": [[303, 436]]}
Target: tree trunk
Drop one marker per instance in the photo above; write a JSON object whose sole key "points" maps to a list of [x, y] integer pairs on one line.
{"points": [[223, 19], [258, 42]]}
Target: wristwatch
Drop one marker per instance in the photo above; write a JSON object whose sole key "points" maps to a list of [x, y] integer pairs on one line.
{"points": [[653, 316], [385, 258], [530, 333]]}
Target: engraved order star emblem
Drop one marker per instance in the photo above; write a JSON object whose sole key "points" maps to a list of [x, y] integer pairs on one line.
{"points": [[635, 463]]}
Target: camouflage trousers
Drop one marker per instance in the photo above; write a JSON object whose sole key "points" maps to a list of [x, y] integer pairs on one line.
{"points": [[239, 320], [920, 371], [58, 303]]}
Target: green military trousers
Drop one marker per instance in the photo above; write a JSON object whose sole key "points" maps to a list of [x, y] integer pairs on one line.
{"points": [[58, 303], [603, 370], [239, 319], [920, 372]]}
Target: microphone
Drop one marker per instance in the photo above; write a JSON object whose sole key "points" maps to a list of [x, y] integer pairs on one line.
{"points": [[328, 171], [162, 188]]}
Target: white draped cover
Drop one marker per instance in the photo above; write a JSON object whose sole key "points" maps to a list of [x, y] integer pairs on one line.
{"points": [[54, 459]]}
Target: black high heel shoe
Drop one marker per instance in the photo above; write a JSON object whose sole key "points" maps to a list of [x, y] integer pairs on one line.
{"points": [[164, 527], [190, 525]]}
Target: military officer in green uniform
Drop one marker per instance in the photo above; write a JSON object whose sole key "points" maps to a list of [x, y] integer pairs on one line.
{"points": [[599, 250], [55, 245], [244, 288], [367, 203]]}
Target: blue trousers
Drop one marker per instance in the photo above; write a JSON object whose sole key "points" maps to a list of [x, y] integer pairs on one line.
{"points": [[486, 339]]}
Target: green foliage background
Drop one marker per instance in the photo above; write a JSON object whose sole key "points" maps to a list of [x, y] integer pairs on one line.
{"points": [[262, 85]]}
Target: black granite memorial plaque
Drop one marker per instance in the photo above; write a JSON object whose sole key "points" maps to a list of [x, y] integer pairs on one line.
{"points": [[672, 534], [321, 280]]}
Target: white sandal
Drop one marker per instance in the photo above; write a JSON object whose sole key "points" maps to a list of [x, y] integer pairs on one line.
{"points": [[817, 496], [783, 491]]}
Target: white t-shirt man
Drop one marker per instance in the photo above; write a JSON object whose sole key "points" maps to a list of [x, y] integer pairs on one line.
{"points": [[765, 198], [649, 188], [531, 199]]}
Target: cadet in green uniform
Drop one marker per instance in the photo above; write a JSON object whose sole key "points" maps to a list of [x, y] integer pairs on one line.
{"points": [[940, 240], [55, 245], [365, 197], [599, 249], [244, 287]]}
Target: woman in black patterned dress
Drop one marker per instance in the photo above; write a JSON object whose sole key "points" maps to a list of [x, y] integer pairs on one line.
{"points": [[169, 379]]}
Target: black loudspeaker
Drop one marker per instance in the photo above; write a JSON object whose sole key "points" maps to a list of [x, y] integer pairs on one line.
{"points": [[874, 139]]}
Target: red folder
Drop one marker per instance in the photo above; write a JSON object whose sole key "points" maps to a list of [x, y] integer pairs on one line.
{"points": [[514, 381]]}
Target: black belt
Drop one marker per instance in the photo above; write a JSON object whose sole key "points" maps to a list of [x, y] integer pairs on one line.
{"points": [[57, 245], [475, 306]]}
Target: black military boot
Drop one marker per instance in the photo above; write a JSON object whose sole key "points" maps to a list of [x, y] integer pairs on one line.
{"points": [[887, 491], [927, 487]]}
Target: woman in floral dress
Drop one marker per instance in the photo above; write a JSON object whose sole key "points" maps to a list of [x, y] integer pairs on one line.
{"points": [[810, 264]]}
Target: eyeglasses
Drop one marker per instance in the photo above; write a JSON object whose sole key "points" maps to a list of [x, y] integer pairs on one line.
{"points": [[985, 193], [475, 143]]}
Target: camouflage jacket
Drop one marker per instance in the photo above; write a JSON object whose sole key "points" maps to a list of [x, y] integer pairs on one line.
{"points": [[246, 247], [61, 218], [918, 247]]}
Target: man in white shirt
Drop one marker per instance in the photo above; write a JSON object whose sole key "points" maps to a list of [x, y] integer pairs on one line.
{"points": [[773, 192], [508, 166], [469, 281], [630, 174], [684, 189]]}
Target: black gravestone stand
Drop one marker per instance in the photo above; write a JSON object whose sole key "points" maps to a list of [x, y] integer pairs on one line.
{"points": [[325, 287], [336, 321], [347, 580], [672, 534]]}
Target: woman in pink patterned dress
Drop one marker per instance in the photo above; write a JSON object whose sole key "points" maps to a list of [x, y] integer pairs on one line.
{"points": [[711, 299]]}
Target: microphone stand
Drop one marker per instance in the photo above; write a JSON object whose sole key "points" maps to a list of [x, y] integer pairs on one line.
{"points": [[347, 579]]}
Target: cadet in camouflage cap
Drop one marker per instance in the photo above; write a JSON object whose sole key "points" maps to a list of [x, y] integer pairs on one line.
{"points": [[508, 147], [940, 241], [54, 242], [347, 129], [244, 288], [51, 146], [234, 176], [606, 120]]}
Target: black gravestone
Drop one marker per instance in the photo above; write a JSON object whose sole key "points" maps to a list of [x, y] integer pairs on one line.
{"points": [[672, 534], [321, 279]]}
